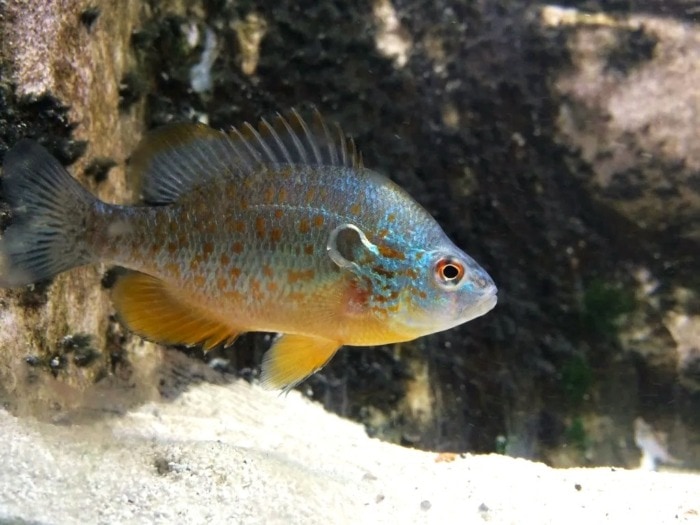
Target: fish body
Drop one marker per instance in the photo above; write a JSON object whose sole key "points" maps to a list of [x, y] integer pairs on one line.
{"points": [[275, 229]]}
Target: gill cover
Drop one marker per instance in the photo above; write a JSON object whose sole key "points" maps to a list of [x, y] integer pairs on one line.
{"points": [[349, 248]]}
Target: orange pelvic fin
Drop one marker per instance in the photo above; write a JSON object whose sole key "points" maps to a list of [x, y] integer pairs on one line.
{"points": [[152, 309], [293, 358]]}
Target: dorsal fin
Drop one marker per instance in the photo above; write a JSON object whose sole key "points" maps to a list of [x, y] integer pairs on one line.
{"points": [[291, 140], [177, 158], [172, 160]]}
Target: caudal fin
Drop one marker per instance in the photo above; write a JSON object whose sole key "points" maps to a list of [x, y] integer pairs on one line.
{"points": [[49, 212]]}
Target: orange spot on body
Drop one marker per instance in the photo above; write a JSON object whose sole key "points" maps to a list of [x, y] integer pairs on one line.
{"points": [[391, 253], [207, 248], [172, 248], [199, 280], [239, 226], [294, 276], [410, 272], [355, 209], [225, 259], [161, 227], [237, 247], [272, 286], [383, 272], [172, 269], [222, 283], [282, 196], [310, 195], [391, 217], [278, 213], [318, 221], [260, 228], [309, 249], [267, 271], [235, 273], [383, 233], [269, 195], [304, 226], [276, 235]]}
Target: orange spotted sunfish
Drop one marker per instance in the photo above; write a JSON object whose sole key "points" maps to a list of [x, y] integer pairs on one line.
{"points": [[275, 229]]}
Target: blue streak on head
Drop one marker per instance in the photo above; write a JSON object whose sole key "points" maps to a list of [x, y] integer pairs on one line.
{"points": [[404, 273], [407, 284]]}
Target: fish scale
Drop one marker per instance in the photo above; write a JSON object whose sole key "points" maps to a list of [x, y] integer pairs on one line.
{"points": [[286, 257], [278, 228]]}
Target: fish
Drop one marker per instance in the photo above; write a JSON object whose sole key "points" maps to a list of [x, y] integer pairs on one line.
{"points": [[653, 445], [276, 228]]}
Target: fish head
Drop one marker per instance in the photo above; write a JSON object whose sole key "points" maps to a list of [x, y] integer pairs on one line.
{"points": [[414, 291], [449, 289]]}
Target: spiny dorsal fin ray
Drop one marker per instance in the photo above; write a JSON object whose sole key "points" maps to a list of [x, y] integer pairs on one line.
{"points": [[152, 309], [292, 140], [177, 158]]}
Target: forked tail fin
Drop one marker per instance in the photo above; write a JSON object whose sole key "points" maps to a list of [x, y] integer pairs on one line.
{"points": [[50, 212]]}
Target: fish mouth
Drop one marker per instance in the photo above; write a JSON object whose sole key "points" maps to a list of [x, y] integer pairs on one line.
{"points": [[485, 304]]}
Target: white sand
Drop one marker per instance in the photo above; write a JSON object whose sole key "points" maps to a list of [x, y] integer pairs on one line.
{"points": [[238, 454]]}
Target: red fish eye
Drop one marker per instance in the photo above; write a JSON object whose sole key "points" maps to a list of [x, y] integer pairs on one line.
{"points": [[449, 271]]}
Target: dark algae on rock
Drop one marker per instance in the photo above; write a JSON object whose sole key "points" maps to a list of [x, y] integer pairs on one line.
{"points": [[554, 143]]}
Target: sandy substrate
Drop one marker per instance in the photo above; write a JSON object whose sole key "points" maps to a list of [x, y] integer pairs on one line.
{"points": [[238, 454]]}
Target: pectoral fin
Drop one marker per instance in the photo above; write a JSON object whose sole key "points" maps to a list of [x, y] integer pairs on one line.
{"points": [[154, 310], [293, 358]]}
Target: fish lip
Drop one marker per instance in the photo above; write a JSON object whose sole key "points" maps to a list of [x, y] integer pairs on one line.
{"points": [[488, 300], [485, 304]]}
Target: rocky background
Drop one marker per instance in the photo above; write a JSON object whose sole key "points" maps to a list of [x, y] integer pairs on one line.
{"points": [[557, 145]]}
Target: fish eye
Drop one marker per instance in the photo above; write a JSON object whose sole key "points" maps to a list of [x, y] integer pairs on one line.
{"points": [[449, 271]]}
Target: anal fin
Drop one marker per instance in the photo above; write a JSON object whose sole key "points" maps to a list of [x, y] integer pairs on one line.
{"points": [[151, 308], [293, 358]]}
